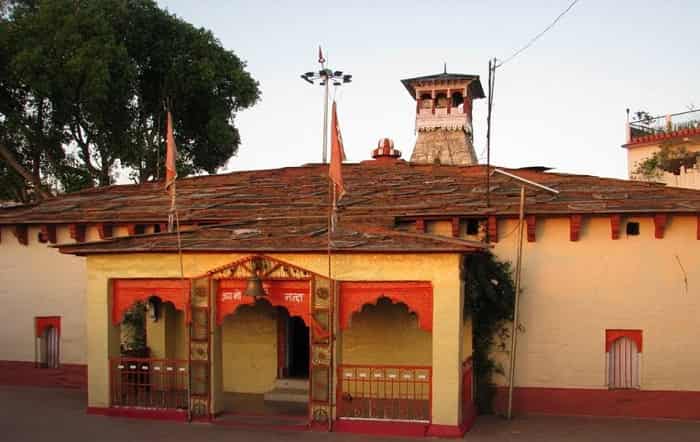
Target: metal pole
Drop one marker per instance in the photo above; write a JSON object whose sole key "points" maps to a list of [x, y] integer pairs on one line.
{"points": [[325, 117], [514, 337]]}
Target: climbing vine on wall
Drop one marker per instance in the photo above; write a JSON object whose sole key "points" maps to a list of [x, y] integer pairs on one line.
{"points": [[489, 302]]}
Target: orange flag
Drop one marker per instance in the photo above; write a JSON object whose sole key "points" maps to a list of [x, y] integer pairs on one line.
{"points": [[337, 155], [170, 156]]}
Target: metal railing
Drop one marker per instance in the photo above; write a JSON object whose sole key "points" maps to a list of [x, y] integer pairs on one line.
{"points": [[668, 124], [148, 383], [385, 392]]}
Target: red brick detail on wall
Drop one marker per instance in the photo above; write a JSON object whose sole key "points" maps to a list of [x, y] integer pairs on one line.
{"points": [[601, 402], [126, 292], [48, 231], [77, 232], [105, 230], [21, 233], [27, 374], [420, 225], [613, 335], [659, 225], [574, 227], [418, 296], [290, 294], [493, 229], [455, 226], [615, 221], [531, 221]]}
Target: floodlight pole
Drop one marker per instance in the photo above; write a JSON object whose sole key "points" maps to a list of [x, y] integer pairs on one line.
{"points": [[326, 80], [325, 76]]}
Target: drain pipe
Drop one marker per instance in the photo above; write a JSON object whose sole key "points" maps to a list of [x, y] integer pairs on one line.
{"points": [[518, 272]]}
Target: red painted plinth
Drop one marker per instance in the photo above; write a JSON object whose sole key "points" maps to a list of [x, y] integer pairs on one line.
{"points": [[448, 431], [405, 429], [140, 413], [612, 403], [27, 373]]}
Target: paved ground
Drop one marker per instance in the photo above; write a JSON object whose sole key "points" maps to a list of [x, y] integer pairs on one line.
{"points": [[35, 414]]}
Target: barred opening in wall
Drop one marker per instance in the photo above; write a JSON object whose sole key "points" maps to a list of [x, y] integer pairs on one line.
{"points": [[623, 364]]}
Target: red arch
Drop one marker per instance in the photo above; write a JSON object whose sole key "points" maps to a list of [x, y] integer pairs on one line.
{"points": [[126, 292], [418, 296], [613, 335]]}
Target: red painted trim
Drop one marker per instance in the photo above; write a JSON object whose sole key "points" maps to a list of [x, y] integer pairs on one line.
{"points": [[43, 322], [125, 292], [140, 413], [446, 431], [420, 225], [49, 232], [574, 227], [493, 229], [77, 232], [601, 402], [25, 373], [664, 136], [294, 295], [404, 429], [455, 226], [105, 230], [698, 229], [659, 225], [531, 227], [613, 335], [21, 233], [615, 221], [418, 296]]}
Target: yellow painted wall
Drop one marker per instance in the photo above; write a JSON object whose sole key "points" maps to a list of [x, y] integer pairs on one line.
{"points": [[249, 349], [167, 337], [441, 269], [573, 291], [386, 334]]}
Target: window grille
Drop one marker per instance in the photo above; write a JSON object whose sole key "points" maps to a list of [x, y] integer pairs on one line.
{"points": [[623, 364], [47, 343]]}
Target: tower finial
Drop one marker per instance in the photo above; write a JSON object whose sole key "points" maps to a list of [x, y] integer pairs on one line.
{"points": [[444, 67]]}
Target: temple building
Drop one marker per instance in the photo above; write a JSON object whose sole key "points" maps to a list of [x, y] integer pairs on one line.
{"points": [[257, 314]]}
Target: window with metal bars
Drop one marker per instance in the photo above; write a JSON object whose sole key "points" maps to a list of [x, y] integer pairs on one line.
{"points": [[623, 364], [48, 340]]}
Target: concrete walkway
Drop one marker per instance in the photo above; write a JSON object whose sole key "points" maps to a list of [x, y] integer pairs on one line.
{"points": [[49, 414]]}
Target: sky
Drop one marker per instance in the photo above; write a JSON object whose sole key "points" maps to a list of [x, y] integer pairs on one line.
{"points": [[561, 103]]}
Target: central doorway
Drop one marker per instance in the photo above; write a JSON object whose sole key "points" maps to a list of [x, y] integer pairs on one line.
{"points": [[293, 347]]}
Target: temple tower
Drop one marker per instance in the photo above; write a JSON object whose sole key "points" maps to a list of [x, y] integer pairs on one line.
{"points": [[444, 117]]}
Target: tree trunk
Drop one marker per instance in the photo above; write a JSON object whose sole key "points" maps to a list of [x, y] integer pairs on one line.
{"points": [[12, 162]]}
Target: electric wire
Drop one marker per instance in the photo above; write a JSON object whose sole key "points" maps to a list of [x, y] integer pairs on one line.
{"points": [[537, 37]]}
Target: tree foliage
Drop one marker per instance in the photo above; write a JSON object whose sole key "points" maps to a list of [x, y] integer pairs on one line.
{"points": [[489, 301], [84, 86], [671, 156]]}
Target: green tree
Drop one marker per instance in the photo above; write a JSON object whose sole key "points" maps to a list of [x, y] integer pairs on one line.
{"points": [[86, 85]]}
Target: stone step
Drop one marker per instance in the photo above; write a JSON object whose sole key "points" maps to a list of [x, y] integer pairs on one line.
{"points": [[287, 395], [291, 383]]}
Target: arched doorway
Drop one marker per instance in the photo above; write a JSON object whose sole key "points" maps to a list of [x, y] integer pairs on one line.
{"points": [[265, 362]]}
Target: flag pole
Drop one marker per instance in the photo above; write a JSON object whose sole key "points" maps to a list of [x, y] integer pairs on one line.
{"points": [[174, 221]]}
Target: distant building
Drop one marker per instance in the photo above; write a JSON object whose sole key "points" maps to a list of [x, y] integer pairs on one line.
{"points": [[647, 135]]}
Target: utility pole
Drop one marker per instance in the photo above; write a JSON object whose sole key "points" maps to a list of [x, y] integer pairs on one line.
{"points": [[325, 76], [492, 79]]}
